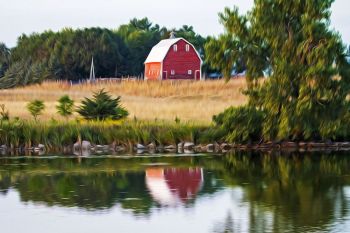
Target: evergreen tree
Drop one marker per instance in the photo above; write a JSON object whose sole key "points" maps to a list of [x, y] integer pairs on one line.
{"points": [[101, 107]]}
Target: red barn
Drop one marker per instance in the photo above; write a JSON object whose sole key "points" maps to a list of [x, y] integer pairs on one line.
{"points": [[173, 58]]}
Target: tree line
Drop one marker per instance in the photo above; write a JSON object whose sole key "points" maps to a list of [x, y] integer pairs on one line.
{"points": [[66, 55]]}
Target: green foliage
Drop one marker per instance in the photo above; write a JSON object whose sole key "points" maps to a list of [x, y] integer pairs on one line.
{"points": [[4, 113], [304, 98], [67, 54], [36, 108], [101, 107], [55, 134], [24, 72], [139, 36], [5, 56], [241, 124], [65, 106]]}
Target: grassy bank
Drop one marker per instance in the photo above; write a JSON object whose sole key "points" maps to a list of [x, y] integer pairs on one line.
{"points": [[187, 100], [56, 135], [22, 136]]}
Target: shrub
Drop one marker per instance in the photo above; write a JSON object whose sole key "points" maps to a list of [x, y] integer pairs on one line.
{"points": [[240, 124], [4, 113], [65, 106], [36, 107], [101, 107]]}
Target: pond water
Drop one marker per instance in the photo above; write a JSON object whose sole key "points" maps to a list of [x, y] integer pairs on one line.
{"points": [[239, 192]]}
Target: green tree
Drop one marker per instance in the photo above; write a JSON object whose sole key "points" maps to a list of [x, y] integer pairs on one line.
{"points": [[249, 120], [65, 106], [4, 59], [36, 108], [101, 107], [67, 54], [304, 96], [139, 35]]}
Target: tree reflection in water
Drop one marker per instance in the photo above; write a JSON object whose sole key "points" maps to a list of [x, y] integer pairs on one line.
{"points": [[291, 191]]}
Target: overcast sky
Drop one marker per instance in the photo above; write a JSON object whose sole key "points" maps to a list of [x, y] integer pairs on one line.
{"points": [[27, 16]]}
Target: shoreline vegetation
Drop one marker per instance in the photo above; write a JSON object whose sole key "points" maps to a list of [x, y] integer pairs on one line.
{"points": [[18, 137], [237, 128]]}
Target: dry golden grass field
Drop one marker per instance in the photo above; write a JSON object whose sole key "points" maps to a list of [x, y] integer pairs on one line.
{"points": [[166, 100]]}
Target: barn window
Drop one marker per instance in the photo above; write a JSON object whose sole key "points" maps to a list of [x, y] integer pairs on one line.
{"points": [[189, 72], [172, 72], [175, 47], [187, 47]]}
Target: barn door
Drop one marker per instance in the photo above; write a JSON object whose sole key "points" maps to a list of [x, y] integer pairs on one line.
{"points": [[165, 75], [198, 75]]}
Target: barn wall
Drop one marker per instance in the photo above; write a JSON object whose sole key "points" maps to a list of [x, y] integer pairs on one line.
{"points": [[181, 61], [153, 71]]}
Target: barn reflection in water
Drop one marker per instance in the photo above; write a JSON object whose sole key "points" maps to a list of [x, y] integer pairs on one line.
{"points": [[174, 186]]}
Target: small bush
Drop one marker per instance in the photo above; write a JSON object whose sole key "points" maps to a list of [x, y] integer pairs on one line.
{"points": [[101, 107], [241, 124], [4, 113], [65, 106], [36, 108]]}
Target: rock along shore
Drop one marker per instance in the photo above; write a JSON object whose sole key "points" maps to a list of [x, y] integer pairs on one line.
{"points": [[86, 148]]}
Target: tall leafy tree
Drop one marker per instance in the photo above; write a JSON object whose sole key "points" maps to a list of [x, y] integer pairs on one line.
{"points": [[305, 94]]}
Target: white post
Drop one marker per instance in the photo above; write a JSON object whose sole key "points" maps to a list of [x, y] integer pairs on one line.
{"points": [[92, 71]]}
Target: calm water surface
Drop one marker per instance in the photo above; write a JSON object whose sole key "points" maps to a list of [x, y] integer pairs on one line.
{"points": [[233, 193]]}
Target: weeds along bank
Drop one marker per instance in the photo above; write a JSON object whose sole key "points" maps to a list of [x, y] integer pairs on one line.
{"points": [[55, 135], [123, 136]]}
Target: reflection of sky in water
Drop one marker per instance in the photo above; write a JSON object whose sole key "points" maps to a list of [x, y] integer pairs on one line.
{"points": [[208, 214], [343, 225], [203, 216], [255, 195]]}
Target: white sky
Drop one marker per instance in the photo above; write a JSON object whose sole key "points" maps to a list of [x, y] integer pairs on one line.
{"points": [[27, 16]]}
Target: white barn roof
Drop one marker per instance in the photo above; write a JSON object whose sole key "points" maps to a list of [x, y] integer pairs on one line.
{"points": [[160, 50]]}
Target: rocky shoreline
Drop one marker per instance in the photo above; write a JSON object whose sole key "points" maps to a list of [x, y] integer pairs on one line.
{"points": [[86, 148]]}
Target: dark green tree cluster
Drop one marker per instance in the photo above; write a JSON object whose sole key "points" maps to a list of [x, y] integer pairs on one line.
{"points": [[67, 54], [4, 58], [139, 36], [306, 93], [63, 55]]}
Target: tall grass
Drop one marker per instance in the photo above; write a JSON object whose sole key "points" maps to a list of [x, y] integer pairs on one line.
{"points": [[57, 134], [166, 100]]}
